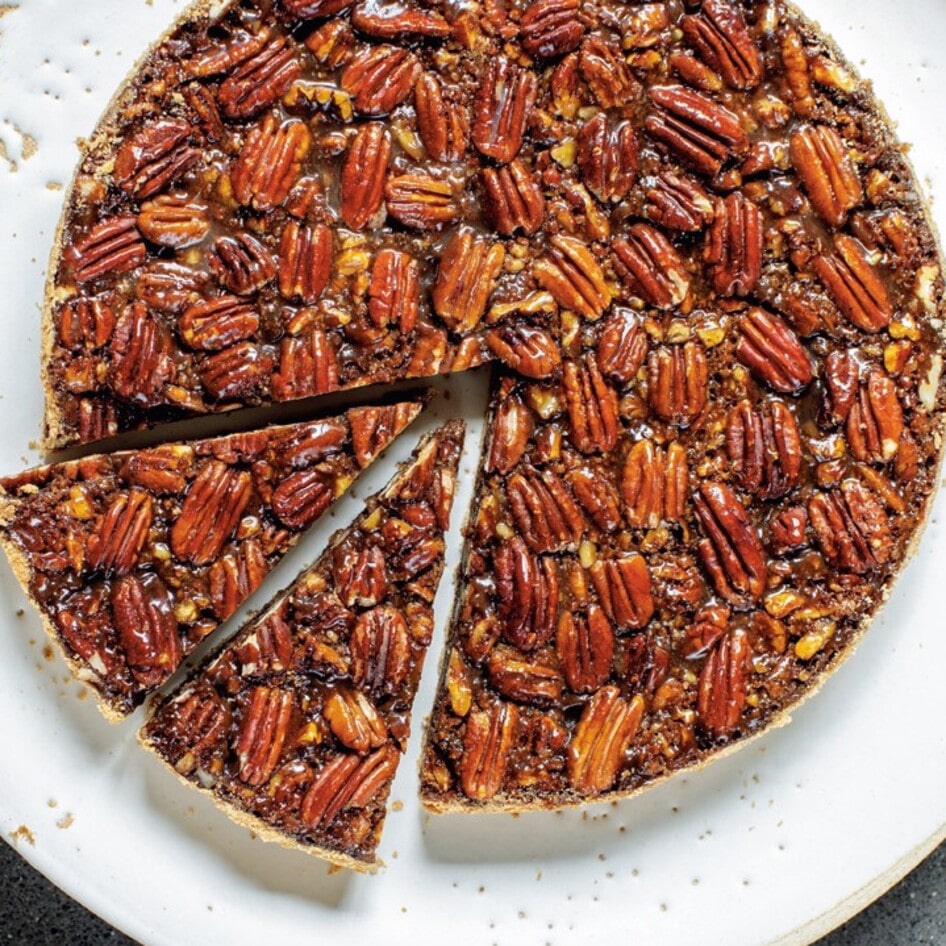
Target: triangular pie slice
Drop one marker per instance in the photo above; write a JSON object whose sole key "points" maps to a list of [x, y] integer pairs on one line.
{"points": [[133, 558], [297, 725]]}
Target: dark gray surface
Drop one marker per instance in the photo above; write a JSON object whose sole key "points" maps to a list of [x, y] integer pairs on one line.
{"points": [[34, 913]]}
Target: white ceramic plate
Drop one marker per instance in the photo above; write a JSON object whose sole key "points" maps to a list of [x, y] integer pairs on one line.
{"points": [[776, 844]]}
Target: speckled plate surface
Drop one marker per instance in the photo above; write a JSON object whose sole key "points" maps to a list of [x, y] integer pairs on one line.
{"points": [[773, 845]]}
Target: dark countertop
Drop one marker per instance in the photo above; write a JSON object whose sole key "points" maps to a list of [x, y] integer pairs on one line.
{"points": [[34, 913]]}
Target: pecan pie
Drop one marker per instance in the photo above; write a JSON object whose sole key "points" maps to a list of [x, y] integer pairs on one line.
{"points": [[297, 725], [133, 558], [688, 237]]}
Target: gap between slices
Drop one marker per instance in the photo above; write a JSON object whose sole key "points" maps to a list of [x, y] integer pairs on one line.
{"points": [[297, 724], [133, 558]]}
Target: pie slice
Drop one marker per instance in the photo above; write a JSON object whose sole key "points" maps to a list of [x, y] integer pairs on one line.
{"points": [[297, 725], [133, 558], [628, 613]]}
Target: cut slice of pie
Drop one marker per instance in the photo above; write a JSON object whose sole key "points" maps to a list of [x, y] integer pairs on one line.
{"points": [[133, 558], [297, 725], [628, 613]]}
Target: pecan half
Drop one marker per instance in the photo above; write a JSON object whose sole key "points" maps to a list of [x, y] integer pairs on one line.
{"points": [[527, 588], [501, 108], [723, 684], [420, 201], [140, 357], [570, 272], [622, 346], [160, 471], [270, 647], [98, 418], [551, 27], [305, 261], [397, 20], [167, 286], [316, 442], [442, 123], [731, 553], [263, 733], [354, 720], [223, 57], [855, 285], [301, 498], [607, 727], [678, 382], [154, 157], [699, 131], [85, 324], [827, 172], [242, 264], [117, 541], [607, 157], [307, 366], [360, 575], [203, 104], [734, 246], [174, 220], [379, 78], [260, 80], [598, 497], [764, 447], [380, 649], [677, 202], [585, 648], [522, 680], [528, 350], [467, 272], [654, 484], [373, 428], [511, 429], [487, 740], [235, 576], [547, 517], [592, 407], [196, 725], [269, 164], [514, 199], [113, 245], [210, 512], [236, 373], [608, 75], [215, 324], [624, 590], [852, 528], [363, 174], [650, 267], [347, 781], [875, 421], [394, 292], [773, 353], [721, 39]]}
